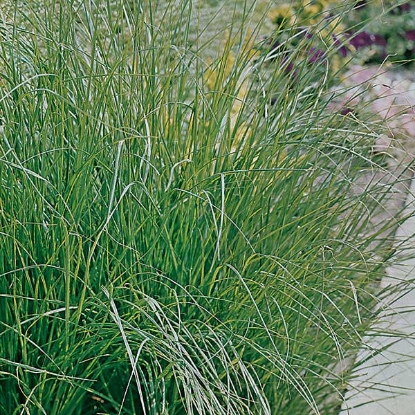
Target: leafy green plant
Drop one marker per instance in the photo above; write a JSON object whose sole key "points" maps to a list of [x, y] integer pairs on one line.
{"points": [[370, 31], [310, 33], [381, 31], [171, 243]]}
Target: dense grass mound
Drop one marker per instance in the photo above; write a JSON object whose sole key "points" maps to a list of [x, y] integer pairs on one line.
{"points": [[171, 242]]}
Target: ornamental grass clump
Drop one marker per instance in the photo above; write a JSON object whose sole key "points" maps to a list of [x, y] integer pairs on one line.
{"points": [[171, 242]]}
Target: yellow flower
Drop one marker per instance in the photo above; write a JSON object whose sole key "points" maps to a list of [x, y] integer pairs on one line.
{"points": [[336, 63], [312, 9], [221, 77], [221, 66], [283, 14], [248, 47]]}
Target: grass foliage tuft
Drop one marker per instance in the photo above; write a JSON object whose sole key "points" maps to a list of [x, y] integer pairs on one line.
{"points": [[171, 242]]}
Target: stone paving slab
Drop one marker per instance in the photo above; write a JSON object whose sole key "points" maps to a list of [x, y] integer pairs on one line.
{"points": [[385, 381]]}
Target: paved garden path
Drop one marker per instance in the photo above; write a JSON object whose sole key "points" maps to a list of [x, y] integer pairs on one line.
{"points": [[385, 382]]}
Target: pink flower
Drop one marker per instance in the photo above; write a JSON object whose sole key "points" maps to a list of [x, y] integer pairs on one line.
{"points": [[315, 55], [410, 34]]}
